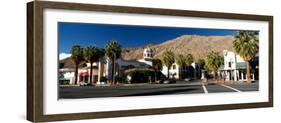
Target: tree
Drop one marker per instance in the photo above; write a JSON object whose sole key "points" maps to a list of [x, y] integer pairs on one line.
{"points": [[112, 52], [213, 62], [189, 60], [246, 45], [168, 60], [91, 55], [201, 64], [77, 57], [157, 66], [181, 62]]}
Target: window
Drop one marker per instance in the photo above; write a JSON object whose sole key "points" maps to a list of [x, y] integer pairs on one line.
{"points": [[229, 64], [174, 66]]}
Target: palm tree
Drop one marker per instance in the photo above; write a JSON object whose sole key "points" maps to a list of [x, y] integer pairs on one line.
{"points": [[77, 57], [246, 45], [181, 62], [213, 62], [189, 60], [201, 64], [157, 66], [168, 59], [91, 55], [112, 52]]}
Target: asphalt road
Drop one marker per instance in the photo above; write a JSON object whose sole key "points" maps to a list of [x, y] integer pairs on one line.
{"points": [[151, 89]]}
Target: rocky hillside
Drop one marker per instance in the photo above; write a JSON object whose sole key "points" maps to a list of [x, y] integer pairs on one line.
{"points": [[198, 46]]}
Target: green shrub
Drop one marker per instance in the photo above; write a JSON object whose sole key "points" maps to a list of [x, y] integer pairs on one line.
{"points": [[142, 76], [103, 79]]}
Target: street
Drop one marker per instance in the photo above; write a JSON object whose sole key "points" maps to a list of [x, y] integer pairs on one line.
{"points": [[179, 87]]}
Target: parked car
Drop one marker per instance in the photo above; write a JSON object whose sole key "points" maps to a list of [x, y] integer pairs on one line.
{"points": [[84, 84], [169, 81], [188, 79]]}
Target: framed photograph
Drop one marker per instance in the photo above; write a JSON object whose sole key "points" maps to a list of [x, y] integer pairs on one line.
{"points": [[87, 61]]}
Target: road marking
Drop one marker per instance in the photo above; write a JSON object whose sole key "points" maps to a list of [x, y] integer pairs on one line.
{"points": [[205, 89], [231, 88]]}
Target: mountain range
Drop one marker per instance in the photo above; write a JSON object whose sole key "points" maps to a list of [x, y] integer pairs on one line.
{"points": [[198, 46]]}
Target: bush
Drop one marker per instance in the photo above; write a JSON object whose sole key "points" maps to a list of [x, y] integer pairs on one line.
{"points": [[103, 79], [118, 79], [64, 82], [142, 76]]}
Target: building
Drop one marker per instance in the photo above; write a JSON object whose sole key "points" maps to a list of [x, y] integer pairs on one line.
{"points": [[67, 75], [103, 68], [234, 68], [192, 71], [121, 65]]}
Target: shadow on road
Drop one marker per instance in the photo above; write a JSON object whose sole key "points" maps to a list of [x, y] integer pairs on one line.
{"points": [[161, 92]]}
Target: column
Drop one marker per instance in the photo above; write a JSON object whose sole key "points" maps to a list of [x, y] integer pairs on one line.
{"points": [[228, 75], [100, 70], [89, 71], [238, 75], [225, 75], [235, 75], [202, 75], [78, 79]]}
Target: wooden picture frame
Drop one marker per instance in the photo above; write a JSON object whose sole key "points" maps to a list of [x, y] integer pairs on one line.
{"points": [[35, 46]]}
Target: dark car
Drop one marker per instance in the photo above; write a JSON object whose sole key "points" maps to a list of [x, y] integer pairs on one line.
{"points": [[169, 81], [165, 80]]}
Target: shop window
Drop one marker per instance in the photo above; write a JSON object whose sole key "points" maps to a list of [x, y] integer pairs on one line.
{"points": [[229, 64], [174, 67]]}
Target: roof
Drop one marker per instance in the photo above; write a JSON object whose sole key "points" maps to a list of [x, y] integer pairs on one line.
{"points": [[241, 65], [221, 67], [138, 69], [148, 49], [68, 63]]}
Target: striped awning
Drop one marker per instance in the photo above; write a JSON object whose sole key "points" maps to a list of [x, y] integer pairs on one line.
{"points": [[84, 74]]}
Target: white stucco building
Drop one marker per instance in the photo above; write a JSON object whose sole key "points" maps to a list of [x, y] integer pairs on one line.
{"points": [[175, 71], [68, 74], [103, 68], [121, 64], [234, 67]]}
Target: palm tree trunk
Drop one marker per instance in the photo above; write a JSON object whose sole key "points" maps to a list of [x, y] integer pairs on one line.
{"points": [[248, 77], [155, 75], [199, 76], [112, 71], [76, 74], [215, 76], [168, 72], [187, 71], [91, 73], [180, 73]]}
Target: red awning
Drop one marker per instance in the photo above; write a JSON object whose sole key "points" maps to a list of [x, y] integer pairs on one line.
{"points": [[83, 74]]}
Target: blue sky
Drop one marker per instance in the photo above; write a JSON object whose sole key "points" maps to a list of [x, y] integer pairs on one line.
{"points": [[128, 36]]}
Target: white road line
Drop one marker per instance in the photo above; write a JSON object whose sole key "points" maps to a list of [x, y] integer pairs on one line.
{"points": [[205, 89], [231, 88]]}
